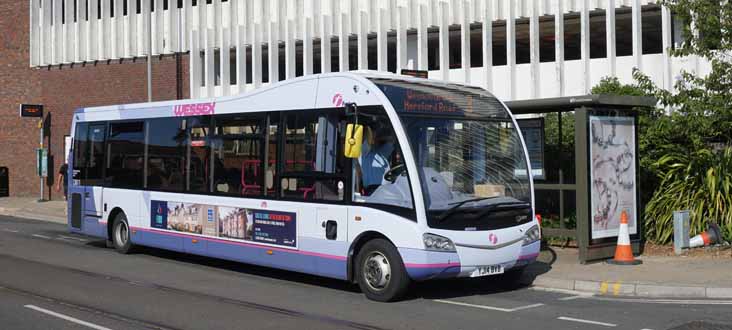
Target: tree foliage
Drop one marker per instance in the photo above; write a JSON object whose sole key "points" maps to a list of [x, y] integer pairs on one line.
{"points": [[689, 150]]}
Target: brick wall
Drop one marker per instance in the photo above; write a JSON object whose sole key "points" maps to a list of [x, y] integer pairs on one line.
{"points": [[62, 90]]}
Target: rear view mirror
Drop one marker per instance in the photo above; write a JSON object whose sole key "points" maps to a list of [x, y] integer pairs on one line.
{"points": [[354, 139]]}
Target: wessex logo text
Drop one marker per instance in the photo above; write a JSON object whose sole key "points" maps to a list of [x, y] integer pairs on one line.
{"points": [[194, 109]]}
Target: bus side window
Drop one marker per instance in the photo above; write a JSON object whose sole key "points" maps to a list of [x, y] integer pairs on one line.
{"points": [[237, 152], [313, 157], [126, 147], [379, 174], [166, 152], [198, 168]]}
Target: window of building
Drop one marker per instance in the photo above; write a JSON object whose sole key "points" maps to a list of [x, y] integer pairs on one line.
{"points": [[125, 155], [499, 43], [523, 41], [572, 37], [547, 39], [166, 154]]}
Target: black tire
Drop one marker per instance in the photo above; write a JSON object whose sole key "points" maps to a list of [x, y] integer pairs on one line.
{"points": [[121, 235], [375, 258]]}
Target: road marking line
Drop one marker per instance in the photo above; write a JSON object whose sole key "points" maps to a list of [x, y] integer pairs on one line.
{"points": [[571, 298], [40, 236], [74, 238], [66, 317], [603, 287], [565, 291], [10, 230], [616, 288], [586, 321], [499, 309]]}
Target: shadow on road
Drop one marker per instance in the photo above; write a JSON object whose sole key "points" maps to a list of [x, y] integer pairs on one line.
{"points": [[242, 268], [434, 289]]}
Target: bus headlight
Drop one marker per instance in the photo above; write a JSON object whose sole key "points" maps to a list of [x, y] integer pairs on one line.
{"points": [[434, 242], [532, 235]]}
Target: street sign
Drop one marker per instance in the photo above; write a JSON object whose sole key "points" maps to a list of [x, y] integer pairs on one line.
{"points": [[414, 73], [31, 110], [42, 162]]}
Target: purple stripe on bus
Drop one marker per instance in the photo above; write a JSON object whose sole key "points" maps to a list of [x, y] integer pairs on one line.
{"points": [[213, 239], [442, 265], [528, 256]]}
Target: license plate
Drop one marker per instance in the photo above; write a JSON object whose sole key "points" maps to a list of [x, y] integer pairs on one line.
{"points": [[487, 270]]}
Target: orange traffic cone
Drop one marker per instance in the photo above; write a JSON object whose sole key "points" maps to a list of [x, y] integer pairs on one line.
{"points": [[711, 236], [623, 251]]}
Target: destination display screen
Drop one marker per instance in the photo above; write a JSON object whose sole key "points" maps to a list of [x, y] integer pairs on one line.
{"points": [[440, 99]]}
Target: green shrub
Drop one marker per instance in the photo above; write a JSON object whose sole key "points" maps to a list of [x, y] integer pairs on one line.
{"points": [[700, 182]]}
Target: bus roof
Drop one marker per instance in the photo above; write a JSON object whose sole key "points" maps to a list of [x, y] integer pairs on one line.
{"points": [[364, 76]]}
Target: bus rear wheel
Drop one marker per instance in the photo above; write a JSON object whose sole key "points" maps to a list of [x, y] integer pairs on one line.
{"points": [[121, 234], [380, 271]]}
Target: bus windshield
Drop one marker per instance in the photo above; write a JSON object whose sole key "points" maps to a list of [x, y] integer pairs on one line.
{"points": [[469, 156]]}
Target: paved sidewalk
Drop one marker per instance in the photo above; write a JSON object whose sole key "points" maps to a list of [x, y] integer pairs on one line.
{"points": [[30, 208], [557, 268], [658, 276]]}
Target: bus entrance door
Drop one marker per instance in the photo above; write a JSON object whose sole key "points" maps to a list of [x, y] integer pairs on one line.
{"points": [[93, 186]]}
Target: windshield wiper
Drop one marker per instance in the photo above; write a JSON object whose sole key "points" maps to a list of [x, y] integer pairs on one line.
{"points": [[444, 215]]}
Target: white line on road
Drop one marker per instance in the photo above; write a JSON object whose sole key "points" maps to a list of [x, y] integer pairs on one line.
{"points": [[40, 236], [67, 318], [586, 321], [571, 298], [500, 309], [74, 238], [10, 230]]}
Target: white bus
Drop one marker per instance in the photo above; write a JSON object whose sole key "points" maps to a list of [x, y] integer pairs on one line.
{"points": [[371, 178]]}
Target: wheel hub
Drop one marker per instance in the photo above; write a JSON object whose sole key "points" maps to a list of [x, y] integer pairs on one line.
{"points": [[122, 233], [377, 271]]}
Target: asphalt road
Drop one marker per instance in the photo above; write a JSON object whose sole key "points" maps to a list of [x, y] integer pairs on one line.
{"points": [[50, 279]]}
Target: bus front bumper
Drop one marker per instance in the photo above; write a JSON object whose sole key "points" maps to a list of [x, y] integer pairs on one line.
{"points": [[466, 262]]}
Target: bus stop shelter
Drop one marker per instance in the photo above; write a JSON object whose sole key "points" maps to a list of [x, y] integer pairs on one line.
{"points": [[583, 184]]}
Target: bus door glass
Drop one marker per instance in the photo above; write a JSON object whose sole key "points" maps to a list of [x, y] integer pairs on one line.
{"points": [[94, 178]]}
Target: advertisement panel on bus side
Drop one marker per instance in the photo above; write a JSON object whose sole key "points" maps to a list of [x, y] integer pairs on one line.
{"points": [[244, 224]]}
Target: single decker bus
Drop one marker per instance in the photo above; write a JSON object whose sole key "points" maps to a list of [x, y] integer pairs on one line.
{"points": [[372, 178]]}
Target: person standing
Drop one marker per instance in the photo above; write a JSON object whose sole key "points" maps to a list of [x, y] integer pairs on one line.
{"points": [[62, 175]]}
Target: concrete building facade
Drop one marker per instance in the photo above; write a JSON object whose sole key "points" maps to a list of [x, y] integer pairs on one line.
{"points": [[74, 53]]}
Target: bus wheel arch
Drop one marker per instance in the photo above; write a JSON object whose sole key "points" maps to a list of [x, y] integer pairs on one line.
{"points": [[356, 246]]}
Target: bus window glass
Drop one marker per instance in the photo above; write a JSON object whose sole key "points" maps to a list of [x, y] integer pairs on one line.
{"points": [[81, 152], [237, 150], [166, 152], [95, 164], [314, 161], [270, 171], [126, 147], [380, 176], [469, 155], [198, 168]]}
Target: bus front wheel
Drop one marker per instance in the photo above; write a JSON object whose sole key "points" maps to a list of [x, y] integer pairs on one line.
{"points": [[380, 270], [121, 234]]}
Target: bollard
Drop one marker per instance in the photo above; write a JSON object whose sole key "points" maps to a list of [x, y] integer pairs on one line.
{"points": [[681, 231]]}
